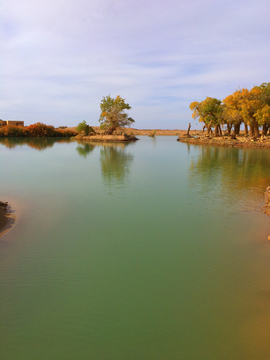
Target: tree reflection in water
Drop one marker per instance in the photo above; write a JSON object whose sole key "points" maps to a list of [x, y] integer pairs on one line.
{"points": [[114, 160], [38, 143], [85, 149], [115, 163], [237, 174]]}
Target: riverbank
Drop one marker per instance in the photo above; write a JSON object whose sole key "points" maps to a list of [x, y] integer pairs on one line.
{"points": [[3, 218], [7, 219], [240, 141]]}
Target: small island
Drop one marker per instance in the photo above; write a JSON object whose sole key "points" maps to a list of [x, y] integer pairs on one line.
{"points": [[106, 138], [113, 119]]}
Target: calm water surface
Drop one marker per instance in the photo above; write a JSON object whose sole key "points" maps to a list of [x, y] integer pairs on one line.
{"points": [[152, 250]]}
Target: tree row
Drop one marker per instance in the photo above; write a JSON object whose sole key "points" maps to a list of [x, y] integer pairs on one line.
{"points": [[248, 107]]}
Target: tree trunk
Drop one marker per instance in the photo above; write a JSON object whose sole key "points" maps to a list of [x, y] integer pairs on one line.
{"points": [[189, 126], [220, 131], [256, 129], [109, 130], [251, 131], [264, 130], [209, 130], [236, 128], [204, 127], [246, 130], [216, 131], [229, 127]]}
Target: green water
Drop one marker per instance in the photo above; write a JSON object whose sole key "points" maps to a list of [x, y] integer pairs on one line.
{"points": [[151, 250]]}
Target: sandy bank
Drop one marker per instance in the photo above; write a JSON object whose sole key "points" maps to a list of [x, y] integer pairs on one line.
{"points": [[107, 138], [240, 142]]}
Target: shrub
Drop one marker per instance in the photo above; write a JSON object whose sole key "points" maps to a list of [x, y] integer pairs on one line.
{"points": [[152, 134], [84, 127], [11, 130], [35, 130], [40, 129], [66, 133]]}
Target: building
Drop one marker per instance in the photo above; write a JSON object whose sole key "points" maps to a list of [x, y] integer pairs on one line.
{"points": [[11, 122]]}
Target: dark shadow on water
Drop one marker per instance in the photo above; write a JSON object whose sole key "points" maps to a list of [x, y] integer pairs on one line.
{"points": [[38, 143]]}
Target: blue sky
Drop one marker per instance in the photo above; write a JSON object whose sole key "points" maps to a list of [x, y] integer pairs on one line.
{"points": [[59, 58]]}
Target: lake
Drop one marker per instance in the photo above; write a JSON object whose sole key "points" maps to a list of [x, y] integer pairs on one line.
{"points": [[149, 250]]}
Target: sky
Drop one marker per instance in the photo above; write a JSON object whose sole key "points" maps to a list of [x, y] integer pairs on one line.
{"points": [[59, 58]]}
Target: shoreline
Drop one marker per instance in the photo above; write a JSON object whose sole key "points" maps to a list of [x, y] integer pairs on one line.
{"points": [[7, 218], [106, 138], [196, 137], [239, 142]]}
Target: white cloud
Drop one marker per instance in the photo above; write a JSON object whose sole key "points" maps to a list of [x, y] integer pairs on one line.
{"points": [[58, 58]]}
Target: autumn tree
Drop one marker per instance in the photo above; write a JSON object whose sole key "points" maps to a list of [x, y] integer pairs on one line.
{"points": [[232, 112], [113, 114], [262, 114], [208, 111], [252, 107], [250, 104]]}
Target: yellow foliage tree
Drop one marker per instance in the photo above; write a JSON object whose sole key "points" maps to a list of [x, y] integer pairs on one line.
{"points": [[208, 111], [251, 107]]}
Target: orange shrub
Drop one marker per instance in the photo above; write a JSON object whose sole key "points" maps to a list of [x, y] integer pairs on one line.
{"points": [[40, 129], [11, 130], [35, 130]]}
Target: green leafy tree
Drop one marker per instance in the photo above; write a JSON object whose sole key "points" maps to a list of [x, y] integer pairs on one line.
{"points": [[84, 127], [113, 114]]}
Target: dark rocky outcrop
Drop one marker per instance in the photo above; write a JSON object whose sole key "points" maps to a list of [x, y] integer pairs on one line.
{"points": [[4, 204]]}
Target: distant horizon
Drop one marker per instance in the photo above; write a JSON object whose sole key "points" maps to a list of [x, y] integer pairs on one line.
{"points": [[130, 127]]}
